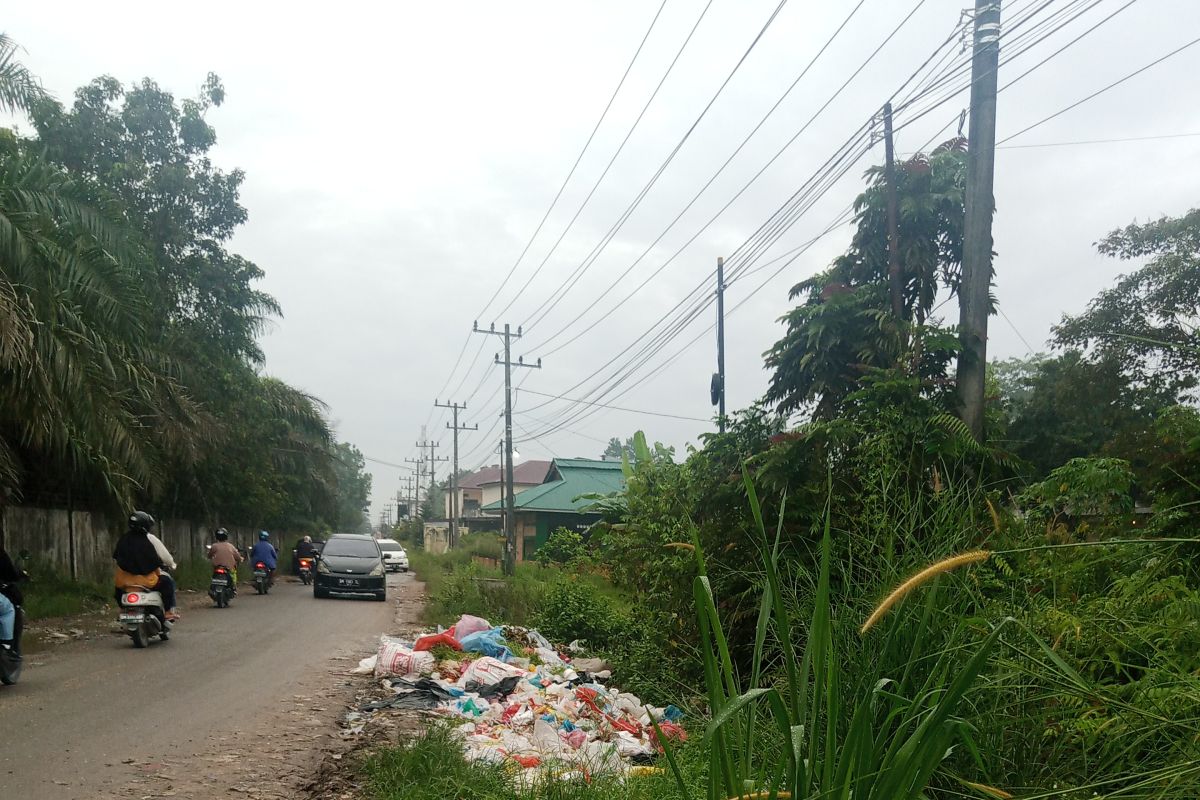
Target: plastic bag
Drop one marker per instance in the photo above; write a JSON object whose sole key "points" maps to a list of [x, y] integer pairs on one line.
{"points": [[433, 640], [490, 643], [468, 625], [366, 666], [486, 671], [394, 658]]}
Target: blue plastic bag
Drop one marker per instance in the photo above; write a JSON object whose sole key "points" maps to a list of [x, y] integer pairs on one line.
{"points": [[489, 643]]}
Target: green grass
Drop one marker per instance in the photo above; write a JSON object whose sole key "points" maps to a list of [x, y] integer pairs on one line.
{"points": [[432, 767], [48, 594], [195, 574]]}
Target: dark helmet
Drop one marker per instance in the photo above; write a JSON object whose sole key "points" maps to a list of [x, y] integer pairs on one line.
{"points": [[141, 521], [222, 534]]}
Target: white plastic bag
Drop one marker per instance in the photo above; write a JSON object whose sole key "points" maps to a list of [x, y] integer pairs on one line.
{"points": [[397, 659], [487, 670], [468, 624]]}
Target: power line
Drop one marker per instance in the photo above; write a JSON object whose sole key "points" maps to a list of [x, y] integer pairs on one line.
{"points": [[538, 314], [1099, 92], [1099, 141], [611, 161], [615, 408], [578, 159]]}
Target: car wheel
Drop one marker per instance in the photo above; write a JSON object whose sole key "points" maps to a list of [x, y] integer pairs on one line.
{"points": [[320, 594], [381, 596]]}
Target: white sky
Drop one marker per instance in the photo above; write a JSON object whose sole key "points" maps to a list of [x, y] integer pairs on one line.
{"points": [[399, 156]]}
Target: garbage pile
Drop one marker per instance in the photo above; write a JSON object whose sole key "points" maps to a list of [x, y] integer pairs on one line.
{"points": [[520, 701]]}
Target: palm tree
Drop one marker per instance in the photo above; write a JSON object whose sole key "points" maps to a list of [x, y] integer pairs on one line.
{"points": [[19, 89]]}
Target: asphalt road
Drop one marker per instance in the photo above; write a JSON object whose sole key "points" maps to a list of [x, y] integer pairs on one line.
{"points": [[79, 723]]}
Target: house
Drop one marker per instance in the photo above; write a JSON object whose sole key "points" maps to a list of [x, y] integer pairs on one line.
{"points": [[558, 503], [486, 486]]}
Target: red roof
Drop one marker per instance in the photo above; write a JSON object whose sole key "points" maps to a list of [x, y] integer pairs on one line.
{"points": [[529, 473]]}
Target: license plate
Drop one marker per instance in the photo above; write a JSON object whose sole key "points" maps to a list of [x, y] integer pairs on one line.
{"points": [[348, 582], [133, 618], [220, 582], [260, 574]]}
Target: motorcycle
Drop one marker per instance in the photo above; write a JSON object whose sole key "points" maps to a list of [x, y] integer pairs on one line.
{"points": [[221, 588], [262, 578], [306, 570], [143, 616], [10, 660]]}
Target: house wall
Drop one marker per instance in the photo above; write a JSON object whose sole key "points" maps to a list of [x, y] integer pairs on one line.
{"points": [[79, 544], [491, 492], [468, 503], [437, 538], [535, 527]]}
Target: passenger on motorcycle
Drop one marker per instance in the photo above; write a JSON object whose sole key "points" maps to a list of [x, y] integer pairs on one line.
{"points": [[224, 554], [264, 551], [10, 598], [306, 548], [141, 557]]}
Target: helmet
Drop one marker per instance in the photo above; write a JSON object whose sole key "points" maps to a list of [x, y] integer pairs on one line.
{"points": [[264, 535], [308, 539], [140, 520], [222, 534]]}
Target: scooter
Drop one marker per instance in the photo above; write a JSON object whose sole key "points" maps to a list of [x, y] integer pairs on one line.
{"points": [[262, 578], [306, 570], [221, 588], [143, 616], [10, 660]]}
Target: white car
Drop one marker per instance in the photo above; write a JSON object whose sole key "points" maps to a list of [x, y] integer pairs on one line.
{"points": [[394, 557]]}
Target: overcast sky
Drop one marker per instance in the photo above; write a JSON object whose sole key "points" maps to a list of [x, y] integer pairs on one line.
{"points": [[399, 157]]}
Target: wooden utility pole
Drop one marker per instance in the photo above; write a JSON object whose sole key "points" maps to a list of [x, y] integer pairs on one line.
{"points": [[510, 533], [895, 280], [718, 382], [454, 510], [973, 292]]}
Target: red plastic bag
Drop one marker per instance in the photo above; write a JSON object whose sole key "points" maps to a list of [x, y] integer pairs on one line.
{"points": [[434, 639]]}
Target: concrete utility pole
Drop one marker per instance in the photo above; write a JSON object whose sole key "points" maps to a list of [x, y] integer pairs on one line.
{"points": [[895, 281], [432, 447], [419, 461], [717, 389], [973, 291], [510, 533], [454, 510]]}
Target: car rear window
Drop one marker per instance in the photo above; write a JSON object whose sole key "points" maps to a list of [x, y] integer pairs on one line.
{"points": [[390, 547], [356, 548]]}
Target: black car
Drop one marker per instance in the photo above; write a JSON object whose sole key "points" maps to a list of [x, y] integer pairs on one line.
{"points": [[350, 564]]}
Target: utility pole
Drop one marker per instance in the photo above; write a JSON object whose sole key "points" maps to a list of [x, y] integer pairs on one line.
{"points": [[895, 283], [420, 470], [432, 447], [510, 533], [973, 293], [454, 426], [717, 387]]}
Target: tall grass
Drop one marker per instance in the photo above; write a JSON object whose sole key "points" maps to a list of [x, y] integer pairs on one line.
{"points": [[864, 735]]}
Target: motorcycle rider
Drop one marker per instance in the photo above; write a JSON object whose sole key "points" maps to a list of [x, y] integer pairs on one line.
{"points": [[264, 551], [10, 598], [140, 559], [223, 554], [306, 549]]}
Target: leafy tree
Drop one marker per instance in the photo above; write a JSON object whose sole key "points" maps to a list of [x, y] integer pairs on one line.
{"points": [[616, 449], [845, 325], [1147, 323], [1055, 409], [353, 486]]}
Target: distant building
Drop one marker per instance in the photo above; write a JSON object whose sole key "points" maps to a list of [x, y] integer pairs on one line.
{"points": [[557, 502], [485, 486]]}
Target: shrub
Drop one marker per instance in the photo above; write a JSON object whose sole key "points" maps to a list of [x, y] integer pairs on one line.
{"points": [[578, 610], [563, 546]]}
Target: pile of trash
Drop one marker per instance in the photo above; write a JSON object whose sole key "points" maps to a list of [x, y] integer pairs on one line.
{"points": [[520, 701]]}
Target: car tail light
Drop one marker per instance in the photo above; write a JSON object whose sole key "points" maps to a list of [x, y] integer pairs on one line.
{"points": [[132, 597]]}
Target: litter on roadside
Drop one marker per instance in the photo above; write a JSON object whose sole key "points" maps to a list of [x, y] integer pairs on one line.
{"points": [[520, 702]]}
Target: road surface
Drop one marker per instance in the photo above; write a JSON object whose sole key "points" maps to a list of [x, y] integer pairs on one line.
{"points": [[238, 698]]}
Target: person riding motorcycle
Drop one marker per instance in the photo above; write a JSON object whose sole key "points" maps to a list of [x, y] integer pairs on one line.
{"points": [[264, 551], [305, 549], [223, 554], [10, 598], [140, 558]]}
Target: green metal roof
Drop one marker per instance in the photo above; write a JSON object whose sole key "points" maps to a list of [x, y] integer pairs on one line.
{"points": [[571, 477]]}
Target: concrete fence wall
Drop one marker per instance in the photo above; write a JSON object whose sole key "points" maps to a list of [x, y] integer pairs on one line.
{"points": [[80, 543]]}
